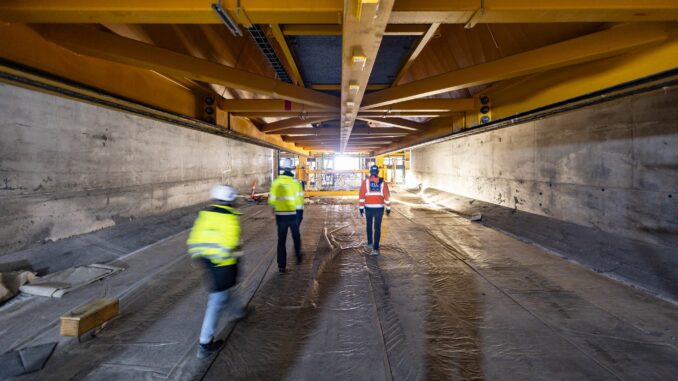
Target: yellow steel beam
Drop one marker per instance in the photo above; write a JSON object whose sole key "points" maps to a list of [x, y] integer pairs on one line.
{"points": [[313, 138], [324, 131], [330, 11], [530, 11], [428, 105], [418, 47], [111, 47], [269, 105], [289, 123], [335, 30], [395, 122], [289, 57], [362, 31], [582, 49], [170, 11], [337, 86], [335, 114], [285, 114]]}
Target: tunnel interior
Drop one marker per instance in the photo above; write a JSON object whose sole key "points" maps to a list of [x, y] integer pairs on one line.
{"points": [[530, 152]]}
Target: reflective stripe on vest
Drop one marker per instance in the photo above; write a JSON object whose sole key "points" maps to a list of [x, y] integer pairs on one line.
{"points": [[367, 189]]}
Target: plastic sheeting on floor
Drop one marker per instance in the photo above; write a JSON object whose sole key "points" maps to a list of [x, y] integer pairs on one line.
{"points": [[25, 360], [58, 284]]}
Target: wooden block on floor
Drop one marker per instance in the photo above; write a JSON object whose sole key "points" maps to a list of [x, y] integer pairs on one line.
{"points": [[88, 316]]}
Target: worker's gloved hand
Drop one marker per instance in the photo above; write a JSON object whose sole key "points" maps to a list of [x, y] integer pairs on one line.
{"points": [[388, 212], [362, 212]]}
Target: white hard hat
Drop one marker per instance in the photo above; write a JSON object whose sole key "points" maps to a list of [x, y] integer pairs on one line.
{"points": [[223, 193], [286, 163]]}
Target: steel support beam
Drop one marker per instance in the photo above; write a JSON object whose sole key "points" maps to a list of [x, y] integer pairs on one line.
{"points": [[289, 57], [396, 122], [335, 30], [248, 12], [270, 105], [114, 48], [330, 11], [530, 11], [245, 12], [359, 131], [582, 49], [418, 47], [337, 86], [283, 114], [289, 123], [362, 31], [439, 105]]}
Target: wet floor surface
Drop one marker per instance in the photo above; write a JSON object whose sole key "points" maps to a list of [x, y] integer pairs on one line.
{"points": [[446, 299]]}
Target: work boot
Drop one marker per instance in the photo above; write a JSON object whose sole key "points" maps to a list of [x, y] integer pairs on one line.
{"points": [[210, 348], [281, 270], [375, 252]]}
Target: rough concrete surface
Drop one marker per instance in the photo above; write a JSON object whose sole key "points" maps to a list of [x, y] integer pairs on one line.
{"points": [[68, 167], [446, 299], [611, 166]]}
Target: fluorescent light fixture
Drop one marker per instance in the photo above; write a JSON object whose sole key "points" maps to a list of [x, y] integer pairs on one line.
{"points": [[226, 19]]}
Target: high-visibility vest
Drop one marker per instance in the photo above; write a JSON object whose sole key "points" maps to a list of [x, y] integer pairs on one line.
{"points": [[286, 195], [215, 235], [374, 193]]}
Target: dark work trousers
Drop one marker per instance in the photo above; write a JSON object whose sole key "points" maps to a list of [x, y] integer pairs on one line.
{"points": [[285, 223], [375, 214], [300, 217]]}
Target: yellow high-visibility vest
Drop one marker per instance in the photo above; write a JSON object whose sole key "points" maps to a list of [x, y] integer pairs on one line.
{"points": [[286, 195], [215, 235]]}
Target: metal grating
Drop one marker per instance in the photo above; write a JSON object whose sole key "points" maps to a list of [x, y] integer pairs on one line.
{"points": [[267, 50]]}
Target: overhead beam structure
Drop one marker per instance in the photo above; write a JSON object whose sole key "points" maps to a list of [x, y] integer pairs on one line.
{"points": [[108, 46], [289, 57], [359, 131], [396, 122], [429, 105], [290, 123], [363, 29], [335, 30], [248, 12], [418, 47], [270, 105], [581, 49]]}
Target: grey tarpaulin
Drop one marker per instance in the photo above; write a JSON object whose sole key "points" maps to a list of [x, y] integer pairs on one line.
{"points": [[57, 284], [25, 360]]}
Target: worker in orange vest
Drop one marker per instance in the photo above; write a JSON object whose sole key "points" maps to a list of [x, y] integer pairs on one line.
{"points": [[374, 197]]}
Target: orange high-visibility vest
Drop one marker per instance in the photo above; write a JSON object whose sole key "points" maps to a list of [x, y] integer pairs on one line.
{"points": [[374, 193]]}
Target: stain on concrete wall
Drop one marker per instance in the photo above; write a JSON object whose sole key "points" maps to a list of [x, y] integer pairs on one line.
{"points": [[613, 166], [68, 167]]}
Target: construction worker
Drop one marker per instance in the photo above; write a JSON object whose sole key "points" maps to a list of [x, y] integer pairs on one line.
{"points": [[287, 198], [214, 240], [374, 196]]}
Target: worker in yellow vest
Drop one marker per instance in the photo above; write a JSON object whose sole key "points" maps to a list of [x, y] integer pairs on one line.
{"points": [[214, 240], [287, 199]]}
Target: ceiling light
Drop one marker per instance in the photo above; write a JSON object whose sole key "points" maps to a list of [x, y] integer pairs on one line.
{"points": [[350, 104], [353, 87]]}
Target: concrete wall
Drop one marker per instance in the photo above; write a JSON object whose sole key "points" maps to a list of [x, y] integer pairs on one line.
{"points": [[612, 166], [68, 167]]}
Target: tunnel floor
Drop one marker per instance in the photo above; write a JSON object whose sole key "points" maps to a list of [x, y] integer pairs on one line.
{"points": [[446, 299]]}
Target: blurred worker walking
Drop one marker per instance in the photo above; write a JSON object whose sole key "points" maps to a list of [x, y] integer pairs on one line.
{"points": [[287, 199], [374, 197], [214, 240]]}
